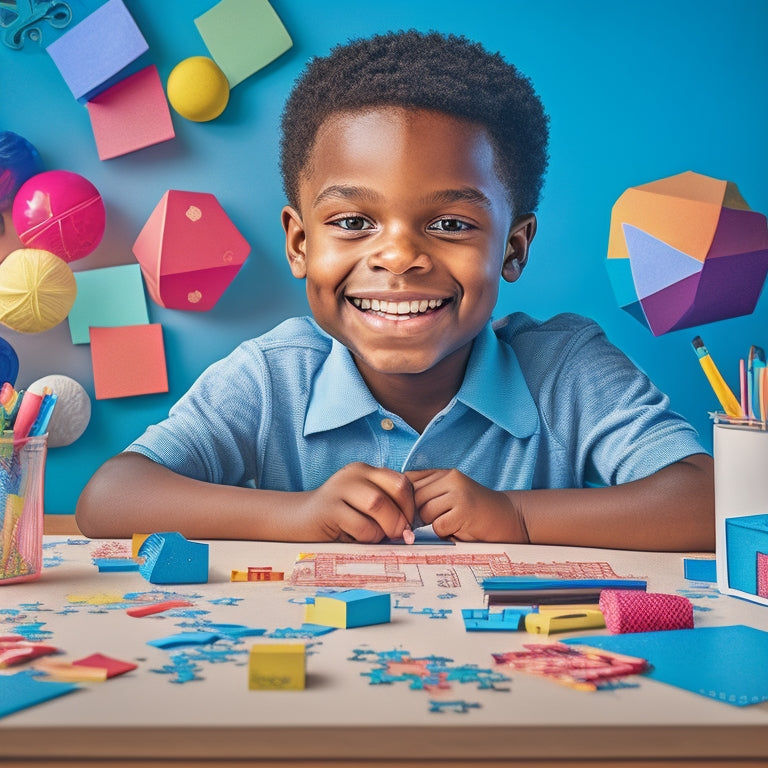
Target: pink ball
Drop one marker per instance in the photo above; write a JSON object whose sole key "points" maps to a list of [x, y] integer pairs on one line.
{"points": [[60, 212]]}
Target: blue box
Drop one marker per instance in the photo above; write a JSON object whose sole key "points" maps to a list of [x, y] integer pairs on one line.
{"points": [[744, 538]]}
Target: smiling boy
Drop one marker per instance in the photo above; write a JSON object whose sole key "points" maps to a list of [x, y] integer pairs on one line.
{"points": [[413, 164]]}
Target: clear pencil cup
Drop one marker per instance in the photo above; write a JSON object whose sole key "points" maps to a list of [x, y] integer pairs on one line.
{"points": [[22, 476]]}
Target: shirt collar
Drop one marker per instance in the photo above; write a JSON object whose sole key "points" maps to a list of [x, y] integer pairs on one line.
{"points": [[339, 395], [493, 385]]}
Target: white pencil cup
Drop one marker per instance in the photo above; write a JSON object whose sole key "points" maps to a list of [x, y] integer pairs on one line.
{"points": [[741, 510]]}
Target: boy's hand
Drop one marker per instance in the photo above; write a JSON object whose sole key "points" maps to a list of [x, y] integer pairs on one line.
{"points": [[458, 507], [360, 503]]}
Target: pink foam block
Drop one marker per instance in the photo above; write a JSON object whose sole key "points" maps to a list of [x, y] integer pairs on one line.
{"points": [[628, 610], [189, 251], [762, 574]]}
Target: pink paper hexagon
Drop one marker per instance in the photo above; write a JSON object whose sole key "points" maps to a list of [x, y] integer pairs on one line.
{"points": [[189, 251]]}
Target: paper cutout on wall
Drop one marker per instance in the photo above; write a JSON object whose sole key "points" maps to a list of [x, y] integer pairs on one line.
{"points": [[94, 54], [686, 250], [107, 297], [128, 361], [131, 115], [243, 36], [189, 251]]}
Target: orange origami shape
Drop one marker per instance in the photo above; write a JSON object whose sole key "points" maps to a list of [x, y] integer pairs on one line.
{"points": [[686, 250], [189, 251]]}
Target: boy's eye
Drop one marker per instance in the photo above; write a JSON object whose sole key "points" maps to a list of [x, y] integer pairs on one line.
{"points": [[450, 225], [353, 223]]}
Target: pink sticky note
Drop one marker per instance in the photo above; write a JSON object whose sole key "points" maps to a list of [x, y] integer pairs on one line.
{"points": [[131, 115], [128, 360]]}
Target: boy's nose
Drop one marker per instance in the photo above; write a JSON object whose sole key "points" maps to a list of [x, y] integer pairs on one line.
{"points": [[399, 254]]}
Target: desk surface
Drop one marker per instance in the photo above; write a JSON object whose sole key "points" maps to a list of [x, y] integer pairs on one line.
{"points": [[150, 714]]}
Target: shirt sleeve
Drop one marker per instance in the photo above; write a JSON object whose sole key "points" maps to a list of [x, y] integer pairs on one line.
{"points": [[213, 431], [611, 418]]}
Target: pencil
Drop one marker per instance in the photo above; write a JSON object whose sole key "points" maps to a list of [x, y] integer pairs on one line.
{"points": [[727, 399]]}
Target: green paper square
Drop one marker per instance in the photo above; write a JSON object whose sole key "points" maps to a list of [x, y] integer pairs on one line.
{"points": [[243, 36]]}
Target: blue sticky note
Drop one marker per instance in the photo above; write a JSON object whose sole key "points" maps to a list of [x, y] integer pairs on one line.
{"points": [[722, 663], [23, 690]]}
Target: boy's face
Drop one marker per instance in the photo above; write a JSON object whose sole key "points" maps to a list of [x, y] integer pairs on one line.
{"points": [[402, 236]]}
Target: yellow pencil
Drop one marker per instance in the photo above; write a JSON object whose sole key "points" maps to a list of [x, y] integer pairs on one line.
{"points": [[727, 399]]}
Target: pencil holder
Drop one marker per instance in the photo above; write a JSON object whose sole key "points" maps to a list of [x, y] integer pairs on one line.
{"points": [[741, 510], [22, 473]]}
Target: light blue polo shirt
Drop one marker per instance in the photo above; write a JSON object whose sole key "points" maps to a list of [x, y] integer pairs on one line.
{"points": [[543, 405]]}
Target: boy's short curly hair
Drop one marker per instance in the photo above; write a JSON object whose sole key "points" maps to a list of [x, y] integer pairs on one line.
{"points": [[429, 70]]}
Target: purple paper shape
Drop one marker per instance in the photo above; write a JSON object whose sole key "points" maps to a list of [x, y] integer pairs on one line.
{"points": [[92, 55]]}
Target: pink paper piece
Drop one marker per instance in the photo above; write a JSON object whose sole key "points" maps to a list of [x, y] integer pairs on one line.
{"points": [[114, 667], [189, 251], [128, 360], [762, 574], [627, 610], [131, 115]]}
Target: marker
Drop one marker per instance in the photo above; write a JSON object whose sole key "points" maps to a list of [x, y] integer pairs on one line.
{"points": [[755, 365], [727, 399]]}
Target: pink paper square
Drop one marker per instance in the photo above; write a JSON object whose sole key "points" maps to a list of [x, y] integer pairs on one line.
{"points": [[762, 574], [128, 360], [131, 115]]}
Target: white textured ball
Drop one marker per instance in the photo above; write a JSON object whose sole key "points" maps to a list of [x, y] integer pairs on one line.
{"points": [[72, 411]]}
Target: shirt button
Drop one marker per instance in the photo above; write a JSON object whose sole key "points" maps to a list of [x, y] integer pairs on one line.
{"points": [[387, 424]]}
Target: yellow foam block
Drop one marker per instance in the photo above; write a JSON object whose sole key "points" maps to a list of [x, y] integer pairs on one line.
{"points": [[277, 667]]}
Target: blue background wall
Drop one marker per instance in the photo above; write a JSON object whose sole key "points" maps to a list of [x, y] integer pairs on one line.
{"points": [[635, 91]]}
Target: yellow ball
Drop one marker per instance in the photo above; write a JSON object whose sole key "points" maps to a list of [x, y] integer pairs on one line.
{"points": [[198, 89], [37, 290]]}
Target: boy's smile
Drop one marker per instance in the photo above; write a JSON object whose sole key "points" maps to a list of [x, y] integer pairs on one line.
{"points": [[402, 236]]}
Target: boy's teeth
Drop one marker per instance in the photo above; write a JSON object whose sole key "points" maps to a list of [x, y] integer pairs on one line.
{"points": [[398, 307]]}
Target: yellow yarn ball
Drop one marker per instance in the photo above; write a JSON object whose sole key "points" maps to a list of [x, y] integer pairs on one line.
{"points": [[37, 290], [198, 89]]}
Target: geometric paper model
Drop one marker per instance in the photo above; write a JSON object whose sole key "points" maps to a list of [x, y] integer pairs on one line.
{"points": [[686, 250], [169, 558], [277, 667], [189, 251], [350, 608], [95, 53], [243, 36]]}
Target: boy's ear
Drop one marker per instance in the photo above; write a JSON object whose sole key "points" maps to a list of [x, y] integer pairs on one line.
{"points": [[295, 240], [519, 239]]}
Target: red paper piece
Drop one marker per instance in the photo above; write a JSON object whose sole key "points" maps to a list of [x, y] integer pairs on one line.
{"points": [[114, 667], [128, 360], [628, 610], [148, 610]]}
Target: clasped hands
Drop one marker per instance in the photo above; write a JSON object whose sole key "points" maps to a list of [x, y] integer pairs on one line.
{"points": [[366, 504]]}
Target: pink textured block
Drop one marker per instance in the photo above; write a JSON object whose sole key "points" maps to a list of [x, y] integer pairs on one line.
{"points": [[762, 574], [627, 610]]}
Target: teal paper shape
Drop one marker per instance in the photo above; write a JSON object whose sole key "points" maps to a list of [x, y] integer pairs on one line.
{"points": [[111, 297], [22, 690]]}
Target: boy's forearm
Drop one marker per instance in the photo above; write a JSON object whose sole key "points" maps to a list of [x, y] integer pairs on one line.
{"points": [[672, 510], [132, 494]]}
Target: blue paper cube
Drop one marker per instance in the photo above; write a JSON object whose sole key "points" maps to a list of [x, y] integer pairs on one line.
{"points": [[745, 537]]}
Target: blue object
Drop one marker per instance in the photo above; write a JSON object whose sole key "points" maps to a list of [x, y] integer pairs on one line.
{"points": [[504, 620], [528, 582], [22, 690], [744, 538], [700, 569], [9, 360], [21, 20], [722, 663], [169, 558], [112, 564]]}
